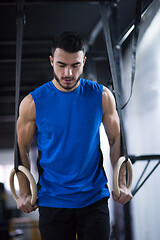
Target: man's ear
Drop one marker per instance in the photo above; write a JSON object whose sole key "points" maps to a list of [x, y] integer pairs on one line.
{"points": [[84, 60], [51, 60]]}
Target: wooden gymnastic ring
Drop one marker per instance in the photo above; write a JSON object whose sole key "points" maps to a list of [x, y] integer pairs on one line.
{"points": [[116, 171], [31, 180]]}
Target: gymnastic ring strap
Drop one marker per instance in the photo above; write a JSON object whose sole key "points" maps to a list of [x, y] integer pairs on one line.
{"points": [[137, 21], [17, 158], [31, 180], [19, 43], [116, 171]]}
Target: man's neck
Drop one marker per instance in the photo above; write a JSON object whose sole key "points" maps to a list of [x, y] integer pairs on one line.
{"points": [[61, 88]]}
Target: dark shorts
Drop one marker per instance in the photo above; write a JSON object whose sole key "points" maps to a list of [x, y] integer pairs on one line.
{"points": [[90, 223]]}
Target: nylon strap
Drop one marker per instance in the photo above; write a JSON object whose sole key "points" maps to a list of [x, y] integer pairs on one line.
{"points": [[20, 15], [135, 35], [107, 35]]}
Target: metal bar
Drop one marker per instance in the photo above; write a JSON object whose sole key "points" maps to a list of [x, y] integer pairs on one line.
{"points": [[96, 30], [7, 99], [55, 2], [141, 176], [128, 31], [125, 36], [25, 42], [94, 33], [144, 157], [7, 119], [24, 60], [135, 191], [23, 88], [106, 29]]}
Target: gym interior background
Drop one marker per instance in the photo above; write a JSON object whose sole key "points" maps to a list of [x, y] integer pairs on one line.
{"points": [[42, 21]]}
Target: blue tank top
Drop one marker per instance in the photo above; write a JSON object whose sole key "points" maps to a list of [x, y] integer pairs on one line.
{"points": [[70, 162]]}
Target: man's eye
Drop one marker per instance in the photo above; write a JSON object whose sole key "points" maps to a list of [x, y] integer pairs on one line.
{"points": [[76, 65], [61, 65]]}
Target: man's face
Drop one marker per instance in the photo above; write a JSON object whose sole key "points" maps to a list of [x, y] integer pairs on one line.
{"points": [[68, 68]]}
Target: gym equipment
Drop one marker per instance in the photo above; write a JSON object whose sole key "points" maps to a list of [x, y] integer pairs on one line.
{"points": [[31, 180], [17, 160], [117, 168], [107, 35]]}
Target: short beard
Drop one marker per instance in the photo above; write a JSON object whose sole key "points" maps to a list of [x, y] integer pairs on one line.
{"points": [[67, 88]]}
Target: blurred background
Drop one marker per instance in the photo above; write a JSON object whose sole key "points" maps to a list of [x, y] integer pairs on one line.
{"points": [[140, 219]]}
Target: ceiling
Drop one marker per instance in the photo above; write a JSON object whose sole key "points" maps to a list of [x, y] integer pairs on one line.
{"points": [[43, 20]]}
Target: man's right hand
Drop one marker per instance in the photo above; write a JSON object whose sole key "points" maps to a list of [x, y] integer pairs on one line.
{"points": [[24, 204]]}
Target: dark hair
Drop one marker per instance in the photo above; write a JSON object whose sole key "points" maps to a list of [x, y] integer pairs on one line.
{"points": [[68, 41]]}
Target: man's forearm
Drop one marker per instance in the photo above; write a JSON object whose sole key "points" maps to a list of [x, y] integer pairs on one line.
{"points": [[24, 185], [115, 151], [114, 155]]}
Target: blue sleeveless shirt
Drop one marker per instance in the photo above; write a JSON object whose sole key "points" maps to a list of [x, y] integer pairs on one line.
{"points": [[70, 162]]}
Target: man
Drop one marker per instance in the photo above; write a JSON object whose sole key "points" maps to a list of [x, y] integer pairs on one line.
{"points": [[65, 114]]}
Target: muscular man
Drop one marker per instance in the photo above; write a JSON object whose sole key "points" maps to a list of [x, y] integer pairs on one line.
{"points": [[65, 114]]}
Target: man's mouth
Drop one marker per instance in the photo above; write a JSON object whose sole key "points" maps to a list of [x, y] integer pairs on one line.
{"points": [[67, 80]]}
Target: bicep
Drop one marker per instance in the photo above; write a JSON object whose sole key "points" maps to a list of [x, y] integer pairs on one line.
{"points": [[111, 125], [26, 124], [25, 132], [110, 117]]}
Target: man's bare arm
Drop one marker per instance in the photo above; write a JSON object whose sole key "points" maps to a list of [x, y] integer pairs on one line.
{"points": [[111, 124], [112, 127], [26, 129]]}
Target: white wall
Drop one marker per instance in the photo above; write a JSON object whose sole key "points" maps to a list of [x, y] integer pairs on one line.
{"points": [[142, 122]]}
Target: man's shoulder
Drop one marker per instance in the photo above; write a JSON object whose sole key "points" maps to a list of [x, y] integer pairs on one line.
{"points": [[91, 85], [40, 90], [107, 93], [27, 107], [108, 100], [27, 100]]}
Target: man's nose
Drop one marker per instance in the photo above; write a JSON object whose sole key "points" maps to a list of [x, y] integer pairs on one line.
{"points": [[68, 72]]}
